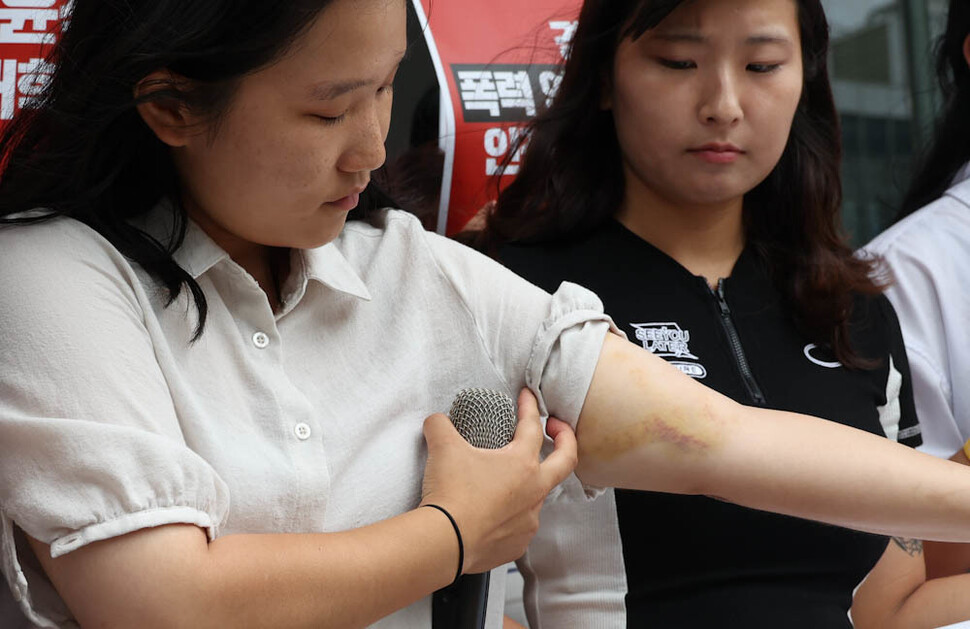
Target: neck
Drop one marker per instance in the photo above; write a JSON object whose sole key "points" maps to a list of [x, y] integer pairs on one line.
{"points": [[705, 239], [269, 266]]}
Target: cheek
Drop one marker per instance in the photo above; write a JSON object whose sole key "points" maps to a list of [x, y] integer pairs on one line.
{"points": [[279, 162], [647, 119], [775, 113]]}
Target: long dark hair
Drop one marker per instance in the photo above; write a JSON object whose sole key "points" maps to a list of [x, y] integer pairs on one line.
{"points": [[571, 179], [950, 149], [83, 151]]}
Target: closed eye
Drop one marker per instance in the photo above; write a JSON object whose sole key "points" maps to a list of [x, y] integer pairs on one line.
{"points": [[330, 120], [763, 68], [675, 64]]}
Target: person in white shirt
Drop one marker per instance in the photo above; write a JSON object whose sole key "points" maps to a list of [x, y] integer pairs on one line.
{"points": [[926, 253], [213, 386]]}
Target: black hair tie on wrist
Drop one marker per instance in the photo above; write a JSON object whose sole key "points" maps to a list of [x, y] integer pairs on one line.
{"points": [[461, 545]]}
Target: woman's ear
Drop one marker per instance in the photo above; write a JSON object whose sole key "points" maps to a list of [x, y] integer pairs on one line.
{"points": [[167, 117]]}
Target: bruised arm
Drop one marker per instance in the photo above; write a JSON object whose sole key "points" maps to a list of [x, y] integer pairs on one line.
{"points": [[646, 426]]}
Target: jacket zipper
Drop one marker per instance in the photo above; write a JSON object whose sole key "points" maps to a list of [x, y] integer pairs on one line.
{"points": [[754, 391]]}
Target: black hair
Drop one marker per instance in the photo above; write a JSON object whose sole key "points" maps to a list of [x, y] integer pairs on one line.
{"points": [[83, 151], [571, 179], [950, 149]]}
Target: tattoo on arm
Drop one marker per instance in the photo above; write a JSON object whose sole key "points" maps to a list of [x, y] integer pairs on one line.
{"points": [[912, 547]]}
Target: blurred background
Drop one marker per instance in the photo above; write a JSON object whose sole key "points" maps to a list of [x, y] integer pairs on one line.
{"points": [[884, 84], [885, 87]]}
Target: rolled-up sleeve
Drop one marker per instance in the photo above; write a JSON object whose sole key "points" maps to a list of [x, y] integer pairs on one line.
{"points": [[550, 343], [566, 350], [90, 444]]}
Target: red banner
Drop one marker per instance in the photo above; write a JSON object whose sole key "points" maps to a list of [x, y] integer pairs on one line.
{"points": [[498, 63], [27, 29]]}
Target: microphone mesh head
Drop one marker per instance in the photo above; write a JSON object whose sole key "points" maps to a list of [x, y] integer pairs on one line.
{"points": [[485, 418]]}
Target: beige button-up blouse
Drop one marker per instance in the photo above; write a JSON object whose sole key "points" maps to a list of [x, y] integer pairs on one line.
{"points": [[304, 420]]}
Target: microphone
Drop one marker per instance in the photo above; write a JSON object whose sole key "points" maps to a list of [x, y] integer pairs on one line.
{"points": [[486, 419]]}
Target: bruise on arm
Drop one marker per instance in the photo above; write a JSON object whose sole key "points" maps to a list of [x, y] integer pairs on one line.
{"points": [[642, 415]]}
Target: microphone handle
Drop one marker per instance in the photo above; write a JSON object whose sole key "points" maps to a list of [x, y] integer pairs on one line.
{"points": [[485, 419], [450, 606]]}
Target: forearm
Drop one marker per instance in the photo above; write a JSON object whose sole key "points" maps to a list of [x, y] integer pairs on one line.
{"points": [[936, 603], [348, 579], [823, 471], [945, 560], [646, 426], [345, 579]]}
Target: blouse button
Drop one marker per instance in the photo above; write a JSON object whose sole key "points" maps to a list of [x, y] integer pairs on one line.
{"points": [[302, 431], [261, 340]]}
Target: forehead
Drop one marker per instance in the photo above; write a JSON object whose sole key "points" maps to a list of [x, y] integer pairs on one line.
{"points": [[711, 18], [349, 41]]}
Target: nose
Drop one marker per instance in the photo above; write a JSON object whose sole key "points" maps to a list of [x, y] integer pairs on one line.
{"points": [[721, 101], [365, 150]]}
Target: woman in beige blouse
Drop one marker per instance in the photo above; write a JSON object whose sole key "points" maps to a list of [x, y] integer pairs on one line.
{"points": [[212, 389]]}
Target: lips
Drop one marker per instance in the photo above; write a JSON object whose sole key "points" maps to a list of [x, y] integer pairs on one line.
{"points": [[346, 203], [349, 201], [717, 152], [716, 147]]}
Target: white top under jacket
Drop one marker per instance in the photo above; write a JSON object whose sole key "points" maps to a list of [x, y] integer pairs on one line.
{"points": [[306, 420], [928, 255]]}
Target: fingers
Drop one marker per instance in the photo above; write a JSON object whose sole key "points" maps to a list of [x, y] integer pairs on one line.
{"points": [[555, 426], [439, 431], [561, 463], [529, 428]]}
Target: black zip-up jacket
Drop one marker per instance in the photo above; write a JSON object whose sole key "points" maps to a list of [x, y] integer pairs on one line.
{"points": [[693, 561]]}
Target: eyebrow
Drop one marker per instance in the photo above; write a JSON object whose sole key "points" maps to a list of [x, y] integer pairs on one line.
{"points": [[329, 90], [697, 38], [335, 89], [757, 40]]}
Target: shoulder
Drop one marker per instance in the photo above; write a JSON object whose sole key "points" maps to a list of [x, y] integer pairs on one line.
{"points": [[68, 296], [59, 277], [53, 235], [57, 253], [873, 314], [928, 233], [874, 328], [402, 248], [395, 230], [397, 234], [579, 260]]}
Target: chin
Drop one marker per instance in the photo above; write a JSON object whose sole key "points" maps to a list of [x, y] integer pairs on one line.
{"points": [[321, 237], [716, 193]]}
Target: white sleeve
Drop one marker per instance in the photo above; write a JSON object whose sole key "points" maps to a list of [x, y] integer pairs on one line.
{"points": [[549, 343], [90, 444], [915, 295], [931, 393]]}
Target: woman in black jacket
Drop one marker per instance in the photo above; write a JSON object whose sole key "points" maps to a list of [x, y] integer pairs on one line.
{"points": [[688, 173]]}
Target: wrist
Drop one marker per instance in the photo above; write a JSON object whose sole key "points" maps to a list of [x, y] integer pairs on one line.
{"points": [[461, 543]]}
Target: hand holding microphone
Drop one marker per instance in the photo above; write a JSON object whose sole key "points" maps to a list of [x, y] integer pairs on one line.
{"points": [[495, 495]]}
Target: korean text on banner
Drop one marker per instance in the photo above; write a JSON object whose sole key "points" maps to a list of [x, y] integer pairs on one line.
{"points": [[500, 61]]}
